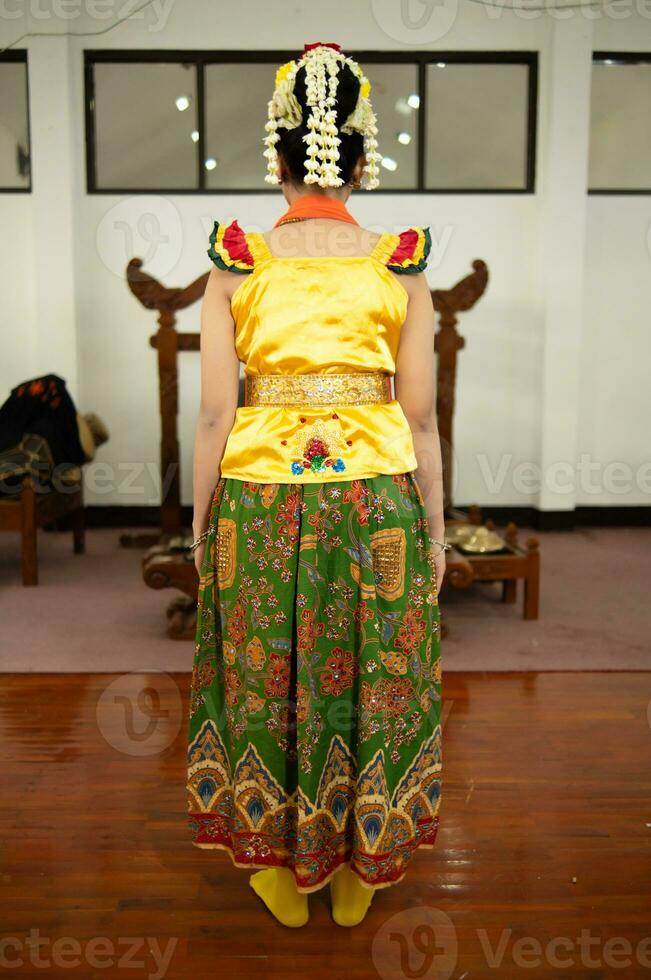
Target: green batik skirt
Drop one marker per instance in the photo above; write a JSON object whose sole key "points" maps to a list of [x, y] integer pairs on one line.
{"points": [[314, 730]]}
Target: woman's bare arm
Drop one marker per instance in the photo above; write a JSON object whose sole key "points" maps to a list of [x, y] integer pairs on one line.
{"points": [[220, 372], [415, 387]]}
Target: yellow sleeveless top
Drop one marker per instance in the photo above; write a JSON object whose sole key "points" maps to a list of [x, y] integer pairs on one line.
{"points": [[325, 316]]}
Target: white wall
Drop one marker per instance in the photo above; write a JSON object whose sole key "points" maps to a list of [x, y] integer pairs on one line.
{"points": [[615, 396], [18, 319], [538, 382]]}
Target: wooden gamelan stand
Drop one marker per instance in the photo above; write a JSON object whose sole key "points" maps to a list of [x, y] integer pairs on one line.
{"points": [[168, 564]]}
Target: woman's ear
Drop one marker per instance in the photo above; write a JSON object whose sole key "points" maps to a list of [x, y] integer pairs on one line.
{"points": [[358, 171], [281, 169]]}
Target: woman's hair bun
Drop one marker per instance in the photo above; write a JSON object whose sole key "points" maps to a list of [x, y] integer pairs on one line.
{"points": [[347, 93], [291, 144]]}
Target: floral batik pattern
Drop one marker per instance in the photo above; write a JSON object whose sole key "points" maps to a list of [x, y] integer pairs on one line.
{"points": [[314, 730]]}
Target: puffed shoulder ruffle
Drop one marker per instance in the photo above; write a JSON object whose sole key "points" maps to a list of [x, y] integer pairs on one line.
{"points": [[232, 248], [406, 252]]}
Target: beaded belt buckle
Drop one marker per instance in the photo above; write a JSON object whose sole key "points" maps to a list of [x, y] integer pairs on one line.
{"points": [[364, 388]]}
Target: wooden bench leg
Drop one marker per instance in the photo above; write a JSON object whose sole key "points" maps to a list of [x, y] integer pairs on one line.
{"points": [[79, 531], [28, 534], [531, 597], [532, 581], [509, 590]]}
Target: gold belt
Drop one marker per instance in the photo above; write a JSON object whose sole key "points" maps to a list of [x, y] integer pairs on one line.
{"points": [[367, 388]]}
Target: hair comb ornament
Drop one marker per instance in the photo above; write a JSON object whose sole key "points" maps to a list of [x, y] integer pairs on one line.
{"points": [[322, 62]]}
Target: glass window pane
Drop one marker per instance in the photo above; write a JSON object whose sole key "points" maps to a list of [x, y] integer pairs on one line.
{"points": [[477, 119], [236, 113], [620, 126], [146, 126], [394, 96], [14, 128]]}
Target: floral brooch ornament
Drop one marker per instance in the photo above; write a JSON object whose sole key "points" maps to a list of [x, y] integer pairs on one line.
{"points": [[322, 63], [316, 447]]}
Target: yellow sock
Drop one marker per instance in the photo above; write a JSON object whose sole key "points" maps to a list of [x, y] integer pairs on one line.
{"points": [[277, 889], [350, 898]]}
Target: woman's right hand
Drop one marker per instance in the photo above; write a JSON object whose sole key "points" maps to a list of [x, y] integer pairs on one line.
{"points": [[198, 557], [439, 565]]}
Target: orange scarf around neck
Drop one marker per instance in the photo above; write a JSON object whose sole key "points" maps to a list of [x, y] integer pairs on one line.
{"points": [[316, 206]]}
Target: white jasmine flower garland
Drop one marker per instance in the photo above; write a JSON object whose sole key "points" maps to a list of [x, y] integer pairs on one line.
{"points": [[322, 65]]}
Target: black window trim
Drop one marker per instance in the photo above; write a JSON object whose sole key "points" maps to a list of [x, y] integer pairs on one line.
{"points": [[622, 58], [201, 58], [19, 55]]}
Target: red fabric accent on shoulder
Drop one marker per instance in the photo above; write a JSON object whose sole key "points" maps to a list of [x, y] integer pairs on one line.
{"points": [[406, 248], [234, 241]]}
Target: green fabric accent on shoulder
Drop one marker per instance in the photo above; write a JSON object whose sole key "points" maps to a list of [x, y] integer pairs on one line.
{"points": [[229, 248], [417, 261]]}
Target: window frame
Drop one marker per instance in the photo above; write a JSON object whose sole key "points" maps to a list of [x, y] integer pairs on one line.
{"points": [[200, 58], [625, 58], [20, 56]]}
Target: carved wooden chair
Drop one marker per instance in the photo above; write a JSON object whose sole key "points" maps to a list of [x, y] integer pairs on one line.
{"points": [[513, 561]]}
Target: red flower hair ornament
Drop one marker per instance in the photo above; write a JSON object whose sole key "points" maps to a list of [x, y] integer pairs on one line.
{"points": [[321, 44]]}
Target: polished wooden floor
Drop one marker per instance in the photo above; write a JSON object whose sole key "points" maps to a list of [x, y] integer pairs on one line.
{"points": [[542, 869]]}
